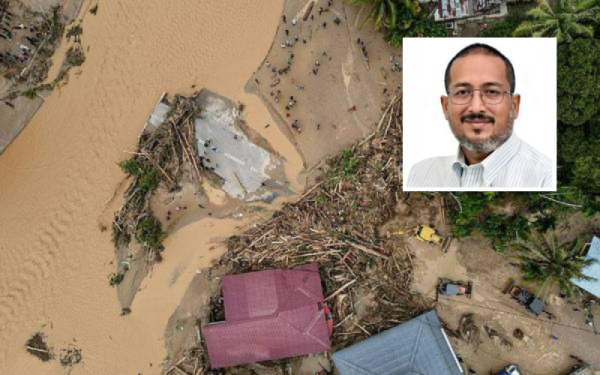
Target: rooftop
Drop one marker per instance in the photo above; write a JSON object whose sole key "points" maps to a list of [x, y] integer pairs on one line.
{"points": [[269, 315], [592, 286], [419, 346]]}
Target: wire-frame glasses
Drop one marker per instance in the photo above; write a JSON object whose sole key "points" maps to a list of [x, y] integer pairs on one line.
{"points": [[489, 95]]}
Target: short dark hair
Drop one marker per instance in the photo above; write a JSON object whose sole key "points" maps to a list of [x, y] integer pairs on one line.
{"points": [[485, 50]]}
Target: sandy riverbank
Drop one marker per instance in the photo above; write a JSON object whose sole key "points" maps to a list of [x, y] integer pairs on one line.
{"points": [[58, 173]]}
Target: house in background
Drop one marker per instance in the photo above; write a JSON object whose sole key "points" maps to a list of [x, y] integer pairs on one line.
{"points": [[592, 286], [269, 315], [475, 9], [419, 346]]}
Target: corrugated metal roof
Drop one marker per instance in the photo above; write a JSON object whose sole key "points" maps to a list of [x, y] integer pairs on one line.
{"points": [[449, 9], [593, 286], [269, 315], [418, 346]]}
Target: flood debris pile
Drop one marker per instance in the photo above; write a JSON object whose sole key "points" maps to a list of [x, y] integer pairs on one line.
{"points": [[367, 277], [37, 346], [468, 329], [70, 356], [164, 155]]}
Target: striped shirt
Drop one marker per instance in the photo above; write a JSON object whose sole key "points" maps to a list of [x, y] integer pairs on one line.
{"points": [[515, 164]]}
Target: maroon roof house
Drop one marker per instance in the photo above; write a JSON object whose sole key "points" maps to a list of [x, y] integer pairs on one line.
{"points": [[269, 315]]}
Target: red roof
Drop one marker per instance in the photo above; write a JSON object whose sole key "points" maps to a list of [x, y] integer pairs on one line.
{"points": [[269, 315]]}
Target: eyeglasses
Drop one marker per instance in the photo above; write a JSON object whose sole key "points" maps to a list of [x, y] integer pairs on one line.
{"points": [[489, 95]]}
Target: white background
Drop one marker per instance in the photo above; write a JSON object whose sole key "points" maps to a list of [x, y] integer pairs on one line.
{"points": [[426, 131]]}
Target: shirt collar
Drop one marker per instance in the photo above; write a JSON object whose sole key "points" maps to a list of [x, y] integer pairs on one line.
{"points": [[493, 164]]}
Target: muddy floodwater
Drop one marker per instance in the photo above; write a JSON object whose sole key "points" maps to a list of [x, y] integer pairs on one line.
{"points": [[57, 175]]}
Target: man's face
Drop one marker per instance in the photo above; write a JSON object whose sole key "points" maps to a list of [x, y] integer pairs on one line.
{"points": [[478, 126]]}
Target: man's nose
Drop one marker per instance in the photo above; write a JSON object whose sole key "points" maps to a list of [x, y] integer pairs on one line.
{"points": [[477, 105]]}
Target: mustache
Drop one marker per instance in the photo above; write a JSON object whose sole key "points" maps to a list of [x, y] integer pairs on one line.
{"points": [[477, 116]]}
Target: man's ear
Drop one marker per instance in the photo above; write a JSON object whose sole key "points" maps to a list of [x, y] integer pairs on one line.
{"points": [[516, 102], [444, 101]]}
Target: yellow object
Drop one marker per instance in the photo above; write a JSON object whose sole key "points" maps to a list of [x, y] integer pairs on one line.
{"points": [[428, 234]]}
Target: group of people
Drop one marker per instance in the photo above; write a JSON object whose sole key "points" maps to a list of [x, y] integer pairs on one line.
{"points": [[33, 37], [28, 39], [290, 41]]}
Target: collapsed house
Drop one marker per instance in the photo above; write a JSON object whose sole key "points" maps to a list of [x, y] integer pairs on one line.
{"points": [[247, 171], [269, 315], [419, 346]]}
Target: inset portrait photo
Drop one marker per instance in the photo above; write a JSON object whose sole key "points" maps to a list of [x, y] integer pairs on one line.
{"points": [[479, 114]]}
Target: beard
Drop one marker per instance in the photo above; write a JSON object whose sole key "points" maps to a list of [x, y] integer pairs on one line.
{"points": [[487, 145]]}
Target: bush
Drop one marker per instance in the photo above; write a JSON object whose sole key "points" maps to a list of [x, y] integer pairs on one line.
{"points": [[55, 25], [473, 205], [414, 23], [131, 167], [75, 56], [147, 175], [504, 28], [148, 180], [74, 31], [149, 233], [501, 230], [31, 93], [420, 28], [116, 279]]}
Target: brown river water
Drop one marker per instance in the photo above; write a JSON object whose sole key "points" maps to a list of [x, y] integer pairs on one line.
{"points": [[57, 175]]}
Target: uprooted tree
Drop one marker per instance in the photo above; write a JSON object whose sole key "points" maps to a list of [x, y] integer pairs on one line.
{"points": [[163, 156]]}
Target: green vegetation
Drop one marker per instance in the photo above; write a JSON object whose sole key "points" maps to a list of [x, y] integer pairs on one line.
{"points": [[466, 219], [75, 56], [385, 13], [74, 31], [502, 230], [568, 19], [401, 18], [546, 261], [116, 278], [578, 160], [578, 81], [147, 175], [415, 25], [55, 25], [343, 168], [131, 166], [31, 93], [504, 28], [94, 9], [149, 233]]}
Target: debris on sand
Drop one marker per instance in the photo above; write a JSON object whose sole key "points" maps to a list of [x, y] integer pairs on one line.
{"points": [[336, 225], [163, 156], [468, 330], [70, 356], [498, 339], [38, 347]]}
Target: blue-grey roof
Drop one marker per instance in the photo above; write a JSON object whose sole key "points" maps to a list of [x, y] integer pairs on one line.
{"points": [[593, 286], [418, 346]]}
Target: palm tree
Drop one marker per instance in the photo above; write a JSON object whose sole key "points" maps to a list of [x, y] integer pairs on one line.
{"points": [[567, 20], [550, 263], [386, 12]]}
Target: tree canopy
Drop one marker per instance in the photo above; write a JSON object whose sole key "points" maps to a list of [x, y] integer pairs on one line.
{"points": [[386, 12], [548, 262], [569, 19], [578, 81]]}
